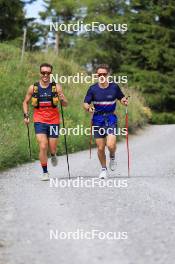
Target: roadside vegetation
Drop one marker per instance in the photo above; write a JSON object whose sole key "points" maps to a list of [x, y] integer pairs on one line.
{"points": [[15, 79]]}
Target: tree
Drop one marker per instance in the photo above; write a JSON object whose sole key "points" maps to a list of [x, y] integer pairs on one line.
{"points": [[12, 19], [102, 46], [150, 54], [146, 52], [61, 12]]}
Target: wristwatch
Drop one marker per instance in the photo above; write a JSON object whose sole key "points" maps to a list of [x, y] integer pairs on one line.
{"points": [[26, 115]]}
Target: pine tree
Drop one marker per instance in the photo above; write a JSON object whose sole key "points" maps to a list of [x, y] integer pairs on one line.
{"points": [[150, 53], [12, 19]]}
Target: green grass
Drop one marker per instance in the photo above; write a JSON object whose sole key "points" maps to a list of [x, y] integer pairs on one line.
{"points": [[14, 81], [163, 118]]}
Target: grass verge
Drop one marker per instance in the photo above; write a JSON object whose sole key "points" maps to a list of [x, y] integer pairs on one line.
{"points": [[15, 79]]}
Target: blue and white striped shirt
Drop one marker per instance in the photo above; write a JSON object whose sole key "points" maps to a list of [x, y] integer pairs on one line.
{"points": [[104, 99]]}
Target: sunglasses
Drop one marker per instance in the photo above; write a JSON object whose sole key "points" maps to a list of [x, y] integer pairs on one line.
{"points": [[45, 73], [102, 74]]}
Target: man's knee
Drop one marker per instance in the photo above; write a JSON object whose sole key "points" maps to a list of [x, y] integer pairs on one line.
{"points": [[111, 147], [101, 148]]}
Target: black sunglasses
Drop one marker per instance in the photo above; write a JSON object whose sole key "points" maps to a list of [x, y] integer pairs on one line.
{"points": [[102, 74], [45, 73]]}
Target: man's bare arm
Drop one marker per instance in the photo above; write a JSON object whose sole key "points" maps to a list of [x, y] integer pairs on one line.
{"points": [[26, 102], [62, 97], [88, 107]]}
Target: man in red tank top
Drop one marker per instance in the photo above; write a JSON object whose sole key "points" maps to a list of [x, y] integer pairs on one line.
{"points": [[46, 117]]}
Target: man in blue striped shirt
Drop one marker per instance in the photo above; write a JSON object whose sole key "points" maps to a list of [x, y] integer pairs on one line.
{"points": [[103, 95]]}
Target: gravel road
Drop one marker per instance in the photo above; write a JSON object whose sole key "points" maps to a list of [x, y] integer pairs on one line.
{"points": [[40, 223]]}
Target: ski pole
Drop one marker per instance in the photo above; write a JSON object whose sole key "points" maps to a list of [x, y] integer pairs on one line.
{"points": [[65, 141], [90, 142], [127, 138], [28, 134]]}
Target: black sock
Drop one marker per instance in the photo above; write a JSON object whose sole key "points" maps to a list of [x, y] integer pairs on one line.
{"points": [[44, 167], [112, 156]]}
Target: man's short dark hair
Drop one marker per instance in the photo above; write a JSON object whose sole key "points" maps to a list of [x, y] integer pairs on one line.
{"points": [[46, 65], [103, 66]]}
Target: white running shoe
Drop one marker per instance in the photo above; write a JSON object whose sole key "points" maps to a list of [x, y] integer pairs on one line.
{"points": [[113, 164], [54, 160], [103, 174], [45, 177]]}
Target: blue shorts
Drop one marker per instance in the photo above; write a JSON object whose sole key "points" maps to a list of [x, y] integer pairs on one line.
{"points": [[52, 131], [104, 131]]}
